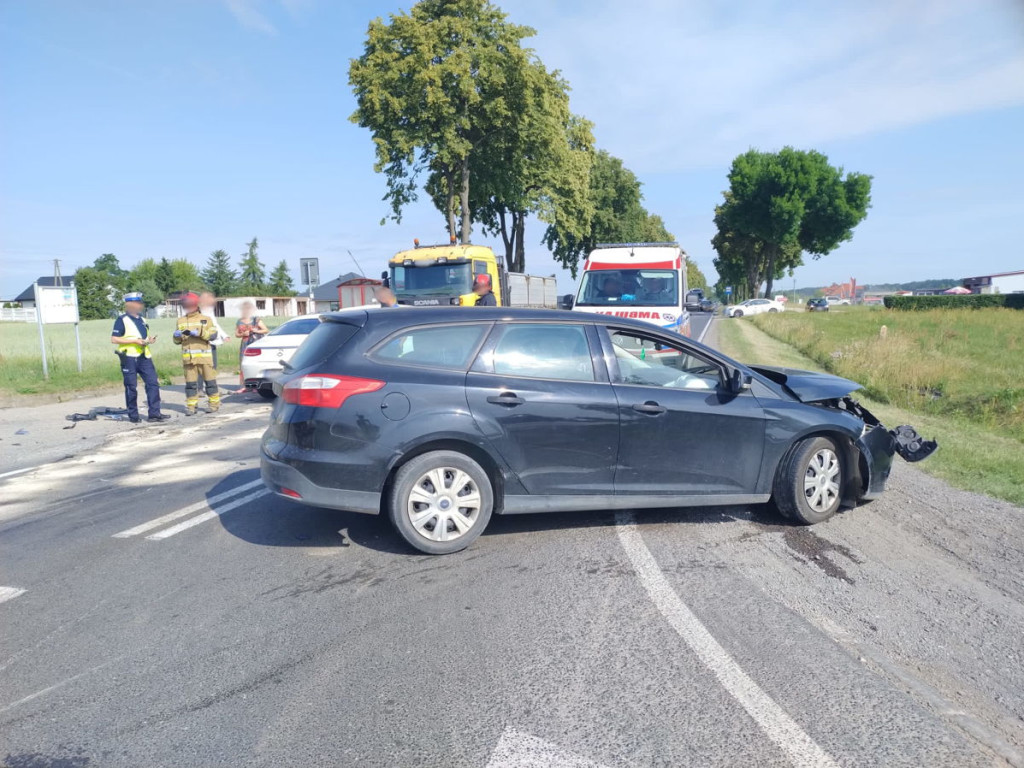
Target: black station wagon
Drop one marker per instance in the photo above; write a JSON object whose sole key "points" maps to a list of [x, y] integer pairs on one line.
{"points": [[441, 417]]}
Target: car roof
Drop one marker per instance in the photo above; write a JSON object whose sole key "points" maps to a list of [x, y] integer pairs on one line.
{"points": [[388, 318]]}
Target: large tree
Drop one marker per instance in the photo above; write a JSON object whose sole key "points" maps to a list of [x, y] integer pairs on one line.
{"points": [[537, 162], [615, 215], [434, 85], [782, 204], [281, 280], [252, 275], [218, 275], [97, 298]]}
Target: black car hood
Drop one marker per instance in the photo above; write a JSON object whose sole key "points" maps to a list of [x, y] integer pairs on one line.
{"points": [[808, 386]]}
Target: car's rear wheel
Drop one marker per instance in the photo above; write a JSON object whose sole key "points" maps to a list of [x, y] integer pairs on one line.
{"points": [[808, 484], [773, 309], [441, 501]]}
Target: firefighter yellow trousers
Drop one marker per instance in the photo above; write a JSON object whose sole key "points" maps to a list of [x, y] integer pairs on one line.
{"points": [[192, 373]]}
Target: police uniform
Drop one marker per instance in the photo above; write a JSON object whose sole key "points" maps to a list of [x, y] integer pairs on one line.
{"points": [[137, 362], [194, 333]]}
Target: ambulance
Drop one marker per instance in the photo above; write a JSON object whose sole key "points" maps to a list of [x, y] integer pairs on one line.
{"points": [[641, 281]]}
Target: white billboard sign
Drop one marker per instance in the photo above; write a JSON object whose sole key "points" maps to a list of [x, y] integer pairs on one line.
{"points": [[57, 304]]}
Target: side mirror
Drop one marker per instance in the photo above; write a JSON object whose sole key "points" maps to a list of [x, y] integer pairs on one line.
{"points": [[739, 381], [385, 279], [568, 300]]}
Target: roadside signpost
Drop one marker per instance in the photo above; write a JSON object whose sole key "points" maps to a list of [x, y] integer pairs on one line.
{"points": [[309, 271], [728, 290], [55, 305]]}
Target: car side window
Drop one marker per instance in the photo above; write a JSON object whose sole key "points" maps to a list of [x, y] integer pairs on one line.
{"points": [[645, 362], [543, 351], [451, 346]]}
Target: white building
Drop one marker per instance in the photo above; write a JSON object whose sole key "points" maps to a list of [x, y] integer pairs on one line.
{"points": [[266, 306], [1002, 282]]}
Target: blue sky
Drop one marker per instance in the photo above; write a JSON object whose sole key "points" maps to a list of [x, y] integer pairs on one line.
{"points": [[173, 128]]}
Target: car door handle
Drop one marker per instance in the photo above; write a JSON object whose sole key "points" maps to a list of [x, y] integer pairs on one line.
{"points": [[506, 398], [650, 407]]}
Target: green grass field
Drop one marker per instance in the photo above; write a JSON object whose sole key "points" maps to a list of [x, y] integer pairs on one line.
{"points": [[972, 455], [962, 363], [21, 366]]}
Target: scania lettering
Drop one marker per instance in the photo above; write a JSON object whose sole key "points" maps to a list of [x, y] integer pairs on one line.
{"points": [[640, 281]]}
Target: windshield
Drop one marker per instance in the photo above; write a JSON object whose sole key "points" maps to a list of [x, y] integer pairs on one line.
{"points": [[436, 280], [629, 288], [296, 327]]}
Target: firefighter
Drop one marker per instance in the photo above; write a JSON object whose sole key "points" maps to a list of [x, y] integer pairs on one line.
{"points": [[131, 335], [194, 333]]}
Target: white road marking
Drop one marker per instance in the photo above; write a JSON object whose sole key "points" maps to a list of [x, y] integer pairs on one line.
{"points": [[185, 511], [9, 593], [704, 332], [194, 521], [777, 725], [20, 471], [516, 749]]}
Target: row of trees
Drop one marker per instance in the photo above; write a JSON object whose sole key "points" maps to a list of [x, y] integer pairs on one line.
{"points": [[780, 205], [454, 101], [101, 286]]}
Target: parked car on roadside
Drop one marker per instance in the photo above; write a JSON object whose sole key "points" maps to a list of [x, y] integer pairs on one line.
{"points": [[264, 359], [836, 301], [817, 305], [754, 307], [440, 418], [707, 305]]}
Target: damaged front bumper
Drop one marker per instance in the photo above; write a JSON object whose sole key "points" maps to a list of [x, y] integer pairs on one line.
{"points": [[878, 445]]}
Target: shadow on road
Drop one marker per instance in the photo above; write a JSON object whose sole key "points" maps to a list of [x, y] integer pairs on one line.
{"points": [[271, 521]]}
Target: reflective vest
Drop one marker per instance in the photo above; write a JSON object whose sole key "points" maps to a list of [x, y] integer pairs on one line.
{"points": [[196, 347], [131, 331]]}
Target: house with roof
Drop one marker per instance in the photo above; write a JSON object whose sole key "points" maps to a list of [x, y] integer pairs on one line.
{"points": [[27, 298], [348, 290], [1001, 282]]}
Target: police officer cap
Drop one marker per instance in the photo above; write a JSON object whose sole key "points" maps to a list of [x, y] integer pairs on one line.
{"points": [[133, 296]]}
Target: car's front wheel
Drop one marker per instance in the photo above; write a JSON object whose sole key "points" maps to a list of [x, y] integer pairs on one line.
{"points": [[440, 502], [738, 313], [773, 309], [808, 484]]}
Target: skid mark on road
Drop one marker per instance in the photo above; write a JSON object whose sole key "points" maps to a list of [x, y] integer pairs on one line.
{"points": [[209, 514], [773, 720]]}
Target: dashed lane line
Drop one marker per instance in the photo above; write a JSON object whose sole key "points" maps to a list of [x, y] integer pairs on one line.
{"points": [[194, 521], [9, 593], [773, 720], [185, 511]]}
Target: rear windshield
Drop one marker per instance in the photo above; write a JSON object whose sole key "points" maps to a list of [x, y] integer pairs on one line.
{"points": [[296, 327], [323, 342]]}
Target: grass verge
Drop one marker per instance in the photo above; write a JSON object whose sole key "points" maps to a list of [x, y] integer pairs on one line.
{"points": [[21, 366], [971, 456]]}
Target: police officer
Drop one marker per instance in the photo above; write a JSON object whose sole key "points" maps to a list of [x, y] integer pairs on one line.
{"points": [[194, 333], [484, 294], [131, 335]]}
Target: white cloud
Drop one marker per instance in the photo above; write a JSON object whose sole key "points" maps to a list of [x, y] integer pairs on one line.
{"points": [[247, 13], [676, 85]]}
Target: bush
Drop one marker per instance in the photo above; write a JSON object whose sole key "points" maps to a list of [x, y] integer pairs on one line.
{"points": [[953, 301]]}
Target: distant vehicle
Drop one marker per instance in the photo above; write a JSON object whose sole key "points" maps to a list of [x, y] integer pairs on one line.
{"points": [[754, 307], [707, 305], [693, 299], [640, 281], [431, 418], [264, 360], [817, 305], [443, 275], [836, 301]]}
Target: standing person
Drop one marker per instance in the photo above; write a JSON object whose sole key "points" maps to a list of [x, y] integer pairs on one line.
{"points": [[249, 328], [483, 291], [131, 335], [195, 332], [208, 306], [385, 296]]}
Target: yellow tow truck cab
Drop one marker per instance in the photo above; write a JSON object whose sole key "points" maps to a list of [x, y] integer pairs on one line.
{"points": [[441, 275]]}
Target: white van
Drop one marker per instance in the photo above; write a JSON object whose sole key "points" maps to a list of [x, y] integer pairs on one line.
{"points": [[643, 281]]}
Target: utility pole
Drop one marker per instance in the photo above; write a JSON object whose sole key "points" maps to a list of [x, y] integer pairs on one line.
{"points": [[57, 279]]}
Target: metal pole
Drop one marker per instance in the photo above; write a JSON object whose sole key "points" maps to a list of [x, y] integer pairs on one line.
{"points": [[78, 344], [39, 322]]}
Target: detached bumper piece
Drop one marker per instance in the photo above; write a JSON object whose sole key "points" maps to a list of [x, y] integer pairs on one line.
{"points": [[910, 445]]}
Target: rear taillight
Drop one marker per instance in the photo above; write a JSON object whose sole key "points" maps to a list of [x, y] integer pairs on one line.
{"points": [[250, 352], [326, 391]]}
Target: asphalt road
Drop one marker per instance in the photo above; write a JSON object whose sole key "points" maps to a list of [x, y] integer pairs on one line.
{"points": [[174, 615]]}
